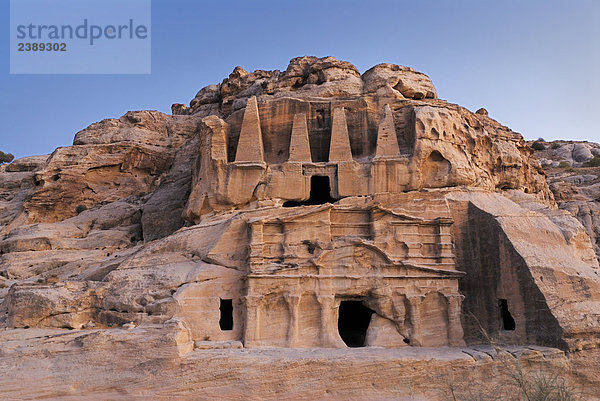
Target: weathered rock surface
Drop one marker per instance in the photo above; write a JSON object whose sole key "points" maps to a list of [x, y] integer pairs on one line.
{"points": [[576, 185], [389, 80], [110, 160], [310, 77], [246, 246], [153, 364]]}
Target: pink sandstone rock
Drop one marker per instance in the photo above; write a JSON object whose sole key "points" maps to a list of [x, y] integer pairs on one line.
{"points": [[251, 243]]}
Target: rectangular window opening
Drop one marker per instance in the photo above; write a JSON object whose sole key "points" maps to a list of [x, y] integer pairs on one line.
{"points": [[226, 320], [506, 319]]}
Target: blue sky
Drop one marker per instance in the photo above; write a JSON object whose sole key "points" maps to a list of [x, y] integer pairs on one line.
{"points": [[535, 65]]}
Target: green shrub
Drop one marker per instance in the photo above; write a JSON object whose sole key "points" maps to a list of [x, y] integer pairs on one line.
{"points": [[6, 157], [556, 145], [537, 145], [595, 162], [564, 164], [80, 208]]}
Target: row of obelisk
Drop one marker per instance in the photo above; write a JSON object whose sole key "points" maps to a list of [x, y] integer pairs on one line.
{"points": [[250, 143]]}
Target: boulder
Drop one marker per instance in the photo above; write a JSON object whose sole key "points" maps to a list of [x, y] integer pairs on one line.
{"points": [[392, 80]]}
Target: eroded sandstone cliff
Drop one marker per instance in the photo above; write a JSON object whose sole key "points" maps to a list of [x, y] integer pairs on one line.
{"points": [[272, 213]]}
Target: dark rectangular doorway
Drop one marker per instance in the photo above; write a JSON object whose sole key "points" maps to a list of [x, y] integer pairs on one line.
{"points": [[226, 320], [320, 192], [353, 322], [507, 321]]}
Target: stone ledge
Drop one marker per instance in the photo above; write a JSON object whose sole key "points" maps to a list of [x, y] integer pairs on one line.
{"points": [[202, 345]]}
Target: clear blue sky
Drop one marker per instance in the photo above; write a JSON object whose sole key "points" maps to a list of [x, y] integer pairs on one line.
{"points": [[535, 64]]}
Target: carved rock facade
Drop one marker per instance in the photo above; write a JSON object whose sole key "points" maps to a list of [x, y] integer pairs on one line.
{"points": [[310, 208]]}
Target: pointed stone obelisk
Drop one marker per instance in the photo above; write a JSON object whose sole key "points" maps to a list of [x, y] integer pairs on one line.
{"points": [[250, 143], [299, 145], [339, 147], [387, 142]]}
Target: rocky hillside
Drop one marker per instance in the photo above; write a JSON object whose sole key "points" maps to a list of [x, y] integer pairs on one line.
{"points": [[573, 171], [206, 254]]}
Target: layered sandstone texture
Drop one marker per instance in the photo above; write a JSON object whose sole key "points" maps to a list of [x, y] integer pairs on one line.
{"points": [[284, 234], [573, 171]]}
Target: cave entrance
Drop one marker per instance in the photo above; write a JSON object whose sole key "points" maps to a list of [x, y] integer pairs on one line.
{"points": [[320, 192], [226, 320], [353, 322], [506, 319]]}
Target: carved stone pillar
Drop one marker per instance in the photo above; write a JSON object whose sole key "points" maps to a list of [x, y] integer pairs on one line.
{"points": [[446, 249], [328, 327], [414, 305], [339, 147], [399, 314], [455, 330], [256, 255], [252, 326], [293, 301], [250, 142]]}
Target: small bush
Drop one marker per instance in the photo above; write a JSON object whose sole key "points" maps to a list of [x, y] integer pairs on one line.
{"points": [[564, 164], [6, 157], [537, 145], [540, 386], [80, 208], [595, 162], [549, 384], [556, 145]]}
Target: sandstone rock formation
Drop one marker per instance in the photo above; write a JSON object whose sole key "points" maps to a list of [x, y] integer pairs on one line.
{"points": [[279, 216], [573, 170]]}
